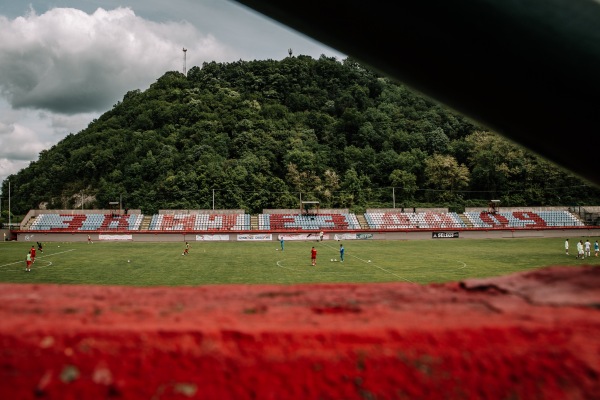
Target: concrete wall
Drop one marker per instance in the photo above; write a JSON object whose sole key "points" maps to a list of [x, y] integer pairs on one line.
{"points": [[512, 337], [42, 236]]}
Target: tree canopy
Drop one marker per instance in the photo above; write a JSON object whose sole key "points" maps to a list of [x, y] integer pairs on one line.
{"points": [[258, 134]]}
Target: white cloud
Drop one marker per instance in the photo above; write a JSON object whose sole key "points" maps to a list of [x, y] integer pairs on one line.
{"points": [[18, 141], [70, 62], [19, 145]]}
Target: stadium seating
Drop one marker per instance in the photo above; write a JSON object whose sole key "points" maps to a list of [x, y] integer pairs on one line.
{"points": [[206, 222], [294, 222], [381, 220], [199, 222], [522, 219], [86, 222], [420, 220], [51, 222]]}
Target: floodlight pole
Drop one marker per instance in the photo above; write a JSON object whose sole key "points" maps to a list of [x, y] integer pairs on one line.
{"points": [[394, 196], [213, 199], [9, 226]]}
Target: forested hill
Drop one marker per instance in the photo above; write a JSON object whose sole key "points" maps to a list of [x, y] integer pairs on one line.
{"points": [[256, 134]]}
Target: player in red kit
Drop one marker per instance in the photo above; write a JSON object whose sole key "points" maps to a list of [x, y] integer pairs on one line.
{"points": [[32, 252]]}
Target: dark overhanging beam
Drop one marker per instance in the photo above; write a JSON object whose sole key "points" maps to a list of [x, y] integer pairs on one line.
{"points": [[526, 69]]}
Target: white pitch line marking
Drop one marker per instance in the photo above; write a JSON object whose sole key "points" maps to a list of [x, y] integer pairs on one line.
{"points": [[374, 265], [37, 258], [43, 266], [281, 266]]}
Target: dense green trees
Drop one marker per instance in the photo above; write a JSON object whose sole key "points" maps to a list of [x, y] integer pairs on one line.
{"points": [[260, 134]]}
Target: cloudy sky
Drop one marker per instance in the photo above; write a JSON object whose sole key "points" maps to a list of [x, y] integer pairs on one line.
{"points": [[65, 62]]}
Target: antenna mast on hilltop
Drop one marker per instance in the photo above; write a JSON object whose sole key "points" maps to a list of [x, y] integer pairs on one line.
{"points": [[184, 53]]}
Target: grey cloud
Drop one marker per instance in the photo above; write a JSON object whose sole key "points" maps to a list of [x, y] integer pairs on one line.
{"points": [[69, 62]]}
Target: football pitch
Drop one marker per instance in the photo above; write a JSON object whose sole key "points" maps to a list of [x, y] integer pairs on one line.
{"points": [[210, 263]]}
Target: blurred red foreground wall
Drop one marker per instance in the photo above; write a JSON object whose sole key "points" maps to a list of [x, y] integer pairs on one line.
{"points": [[533, 335]]}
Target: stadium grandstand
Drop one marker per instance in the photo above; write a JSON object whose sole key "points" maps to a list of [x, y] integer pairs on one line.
{"points": [[382, 219], [86, 222], [233, 220], [291, 220]]}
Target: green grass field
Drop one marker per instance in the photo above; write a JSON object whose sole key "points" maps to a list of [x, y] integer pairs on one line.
{"points": [[152, 264]]}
